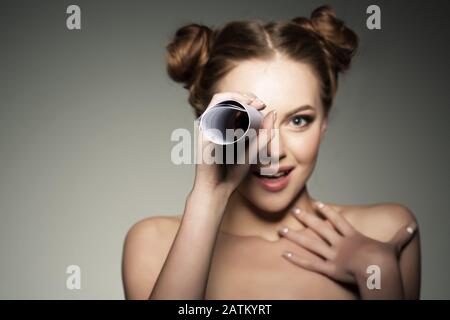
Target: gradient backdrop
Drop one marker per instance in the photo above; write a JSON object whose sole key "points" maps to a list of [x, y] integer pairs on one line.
{"points": [[86, 118]]}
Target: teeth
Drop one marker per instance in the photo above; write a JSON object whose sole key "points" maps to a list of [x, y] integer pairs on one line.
{"points": [[280, 174]]}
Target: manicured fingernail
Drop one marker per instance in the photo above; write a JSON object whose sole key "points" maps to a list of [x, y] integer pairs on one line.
{"points": [[284, 230], [320, 204], [287, 254], [296, 211], [411, 228]]}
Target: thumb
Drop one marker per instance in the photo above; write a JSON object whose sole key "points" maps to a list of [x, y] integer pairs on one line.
{"points": [[404, 235]]}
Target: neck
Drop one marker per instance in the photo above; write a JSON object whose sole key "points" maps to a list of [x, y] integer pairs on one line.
{"points": [[242, 218]]}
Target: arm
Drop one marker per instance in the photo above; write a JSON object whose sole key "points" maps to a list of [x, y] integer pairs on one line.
{"points": [[164, 259], [401, 276], [400, 273], [185, 271], [391, 284]]}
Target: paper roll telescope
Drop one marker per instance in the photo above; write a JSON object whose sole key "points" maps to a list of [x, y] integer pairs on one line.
{"points": [[217, 121]]}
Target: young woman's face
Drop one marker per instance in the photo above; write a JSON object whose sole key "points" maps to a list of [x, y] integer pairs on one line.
{"points": [[292, 89]]}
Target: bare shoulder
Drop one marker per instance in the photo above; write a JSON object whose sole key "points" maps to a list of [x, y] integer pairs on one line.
{"points": [[381, 222], [146, 246], [160, 227], [378, 221], [156, 233]]}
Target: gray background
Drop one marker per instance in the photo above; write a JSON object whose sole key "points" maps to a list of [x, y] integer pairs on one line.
{"points": [[86, 117]]}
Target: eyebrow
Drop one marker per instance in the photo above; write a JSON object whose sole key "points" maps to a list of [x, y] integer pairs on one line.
{"points": [[301, 108]]}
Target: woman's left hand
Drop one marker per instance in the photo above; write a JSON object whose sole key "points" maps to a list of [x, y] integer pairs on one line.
{"points": [[339, 251]]}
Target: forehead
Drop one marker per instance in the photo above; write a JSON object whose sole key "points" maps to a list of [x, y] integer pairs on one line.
{"points": [[280, 82]]}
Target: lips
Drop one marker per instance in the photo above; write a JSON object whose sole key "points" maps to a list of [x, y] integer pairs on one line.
{"points": [[274, 182]]}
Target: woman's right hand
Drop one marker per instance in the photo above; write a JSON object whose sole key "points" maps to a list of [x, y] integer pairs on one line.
{"points": [[221, 178]]}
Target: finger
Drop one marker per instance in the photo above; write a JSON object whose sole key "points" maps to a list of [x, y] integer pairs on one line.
{"points": [[316, 265], [258, 104], [254, 100], [404, 235], [268, 159], [319, 247], [310, 232], [269, 119], [259, 142], [318, 225], [339, 222], [256, 144], [247, 98], [266, 131]]}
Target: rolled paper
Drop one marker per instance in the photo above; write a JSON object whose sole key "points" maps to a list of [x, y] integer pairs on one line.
{"points": [[228, 117]]}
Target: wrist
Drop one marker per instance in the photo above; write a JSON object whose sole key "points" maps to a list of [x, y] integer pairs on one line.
{"points": [[381, 278], [214, 193], [208, 200], [382, 258]]}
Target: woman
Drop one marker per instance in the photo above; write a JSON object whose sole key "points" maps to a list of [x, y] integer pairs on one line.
{"points": [[244, 235]]}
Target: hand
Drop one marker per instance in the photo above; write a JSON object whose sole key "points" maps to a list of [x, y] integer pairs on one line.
{"points": [[339, 251], [227, 177]]}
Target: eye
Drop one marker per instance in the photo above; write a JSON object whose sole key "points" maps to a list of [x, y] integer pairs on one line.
{"points": [[300, 121]]}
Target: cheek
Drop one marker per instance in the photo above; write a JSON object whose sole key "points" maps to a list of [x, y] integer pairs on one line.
{"points": [[303, 146]]}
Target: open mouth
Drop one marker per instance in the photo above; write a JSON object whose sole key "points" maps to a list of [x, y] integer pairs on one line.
{"points": [[281, 172], [276, 181], [276, 175]]}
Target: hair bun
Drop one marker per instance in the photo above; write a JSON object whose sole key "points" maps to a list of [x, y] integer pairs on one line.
{"points": [[187, 53], [340, 41]]}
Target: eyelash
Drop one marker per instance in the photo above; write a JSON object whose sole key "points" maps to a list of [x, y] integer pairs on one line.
{"points": [[308, 119]]}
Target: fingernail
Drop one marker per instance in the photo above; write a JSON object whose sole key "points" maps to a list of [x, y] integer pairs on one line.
{"points": [[274, 116], [411, 228], [287, 254], [296, 211], [284, 230], [259, 101], [320, 204]]}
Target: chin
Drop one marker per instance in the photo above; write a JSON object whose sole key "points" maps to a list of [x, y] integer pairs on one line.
{"points": [[270, 205]]}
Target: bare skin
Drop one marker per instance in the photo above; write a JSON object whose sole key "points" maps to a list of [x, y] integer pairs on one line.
{"points": [[227, 243], [251, 267]]}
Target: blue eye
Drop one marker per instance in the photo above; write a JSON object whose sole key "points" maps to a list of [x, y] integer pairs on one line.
{"points": [[300, 121]]}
